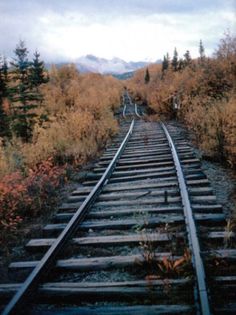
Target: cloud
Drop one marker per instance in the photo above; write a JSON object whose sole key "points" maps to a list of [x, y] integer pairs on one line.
{"points": [[129, 29], [132, 38]]}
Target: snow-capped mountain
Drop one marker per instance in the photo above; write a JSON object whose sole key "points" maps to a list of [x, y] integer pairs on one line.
{"points": [[90, 63]]}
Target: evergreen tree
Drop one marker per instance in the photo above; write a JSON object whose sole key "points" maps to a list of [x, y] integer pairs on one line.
{"points": [[181, 64], [37, 71], [147, 76], [187, 58], [174, 61], [165, 63], [201, 51], [167, 60], [4, 119], [23, 97]]}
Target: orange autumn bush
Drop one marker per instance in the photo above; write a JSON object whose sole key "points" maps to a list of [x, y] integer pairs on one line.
{"points": [[206, 92], [78, 120], [80, 117], [229, 129], [78, 111]]}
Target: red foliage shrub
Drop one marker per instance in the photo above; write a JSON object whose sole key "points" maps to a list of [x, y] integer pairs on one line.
{"points": [[13, 194], [26, 196], [42, 182]]}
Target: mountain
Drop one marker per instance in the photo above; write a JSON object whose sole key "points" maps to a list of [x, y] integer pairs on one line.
{"points": [[91, 63], [123, 76], [116, 66]]}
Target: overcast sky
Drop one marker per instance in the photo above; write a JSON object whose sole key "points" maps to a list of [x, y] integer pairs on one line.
{"points": [[63, 30]]}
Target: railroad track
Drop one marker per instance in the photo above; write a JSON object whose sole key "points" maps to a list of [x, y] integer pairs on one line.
{"points": [[143, 235], [130, 109]]}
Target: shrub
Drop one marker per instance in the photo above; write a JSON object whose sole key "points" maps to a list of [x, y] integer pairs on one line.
{"points": [[206, 93], [13, 199], [74, 123], [28, 196]]}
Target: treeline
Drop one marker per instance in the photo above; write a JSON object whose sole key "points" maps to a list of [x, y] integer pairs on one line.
{"points": [[51, 120], [178, 64], [200, 92], [19, 93]]}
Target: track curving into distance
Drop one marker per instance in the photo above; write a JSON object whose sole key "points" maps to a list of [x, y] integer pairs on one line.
{"points": [[112, 246]]}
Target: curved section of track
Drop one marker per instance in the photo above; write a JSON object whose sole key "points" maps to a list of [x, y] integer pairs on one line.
{"points": [[130, 109]]}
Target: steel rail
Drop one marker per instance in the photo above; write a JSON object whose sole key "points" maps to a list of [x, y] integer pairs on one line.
{"points": [[131, 103], [192, 231], [31, 283], [123, 99], [124, 109], [136, 110]]}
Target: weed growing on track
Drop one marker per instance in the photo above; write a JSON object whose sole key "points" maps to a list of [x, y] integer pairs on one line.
{"points": [[157, 267], [230, 231]]}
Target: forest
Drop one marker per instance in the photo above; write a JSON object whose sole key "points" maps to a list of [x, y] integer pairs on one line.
{"points": [[53, 120]]}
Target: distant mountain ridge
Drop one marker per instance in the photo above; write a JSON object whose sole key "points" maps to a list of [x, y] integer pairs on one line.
{"points": [[116, 66], [91, 63]]}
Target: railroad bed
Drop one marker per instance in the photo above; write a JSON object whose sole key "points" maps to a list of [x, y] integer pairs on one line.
{"points": [[133, 251]]}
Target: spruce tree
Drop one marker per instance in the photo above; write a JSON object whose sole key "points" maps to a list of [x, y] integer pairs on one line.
{"points": [[201, 50], [187, 58], [174, 61], [167, 60], [165, 63], [147, 76], [181, 64], [4, 119], [37, 71], [23, 97]]}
